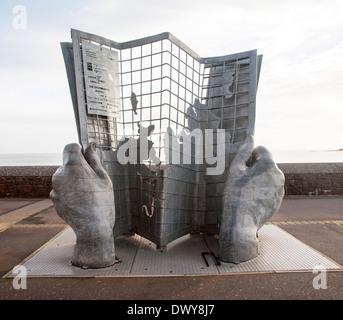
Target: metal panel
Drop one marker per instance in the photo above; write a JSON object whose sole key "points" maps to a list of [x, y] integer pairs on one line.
{"points": [[229, 94], [67, 50], [80, 94], [167, 87], [279, 251]]}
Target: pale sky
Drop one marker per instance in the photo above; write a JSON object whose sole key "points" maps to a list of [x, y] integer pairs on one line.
{"points": [[300, 94]]}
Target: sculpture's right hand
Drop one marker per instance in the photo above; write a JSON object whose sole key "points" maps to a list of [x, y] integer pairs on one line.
{"points": [[254, 191]]}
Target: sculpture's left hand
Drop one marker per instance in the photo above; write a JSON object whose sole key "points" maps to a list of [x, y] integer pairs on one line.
{"points": [[83, 197], [253, 193]]}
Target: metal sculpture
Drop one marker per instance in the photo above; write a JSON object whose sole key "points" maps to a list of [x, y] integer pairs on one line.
{"points": [[168, 126]]}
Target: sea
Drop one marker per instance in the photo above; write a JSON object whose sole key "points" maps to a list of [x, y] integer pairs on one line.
{"points": [[281, 156]]}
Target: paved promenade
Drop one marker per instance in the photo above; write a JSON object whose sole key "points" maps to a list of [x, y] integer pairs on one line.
{"points": [[27, 224]]}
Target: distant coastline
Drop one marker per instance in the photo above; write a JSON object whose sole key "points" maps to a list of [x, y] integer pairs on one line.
{"points": [[31, 159], [340, 149]]}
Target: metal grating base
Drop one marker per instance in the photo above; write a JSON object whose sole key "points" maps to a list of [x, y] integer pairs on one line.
{"points": [[279, 251]]}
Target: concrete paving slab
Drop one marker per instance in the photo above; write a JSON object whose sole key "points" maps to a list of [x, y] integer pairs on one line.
{"points": [[328, 208], [326, 238], [8, 205], [26, 211], [17, 243]]}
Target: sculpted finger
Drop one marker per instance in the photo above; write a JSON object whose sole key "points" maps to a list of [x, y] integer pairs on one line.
{"points": [[244, 153], [74, 167], [72, 155], [262, 161], [262, 154], [74, 163], [269, 181], [94, 161]]}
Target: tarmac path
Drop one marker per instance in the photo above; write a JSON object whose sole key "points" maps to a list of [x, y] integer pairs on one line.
{"points": [[27, 224]]}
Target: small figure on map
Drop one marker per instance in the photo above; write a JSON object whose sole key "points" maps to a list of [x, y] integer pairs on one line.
{"points": [[134, 102]]}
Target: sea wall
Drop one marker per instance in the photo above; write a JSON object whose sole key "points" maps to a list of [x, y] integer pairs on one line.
{"points": [[26, 181], [313, 179], [305, 179]]}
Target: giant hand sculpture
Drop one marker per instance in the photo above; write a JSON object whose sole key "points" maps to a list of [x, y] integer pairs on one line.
{"points": [[253, 193], [83, 197]]}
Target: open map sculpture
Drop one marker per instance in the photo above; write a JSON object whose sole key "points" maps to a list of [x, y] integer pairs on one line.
{"points": [[167, 144]]}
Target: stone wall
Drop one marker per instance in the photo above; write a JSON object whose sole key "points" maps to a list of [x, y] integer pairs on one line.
{"points": [[313, 179], [26, 181], [307, 179]]}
